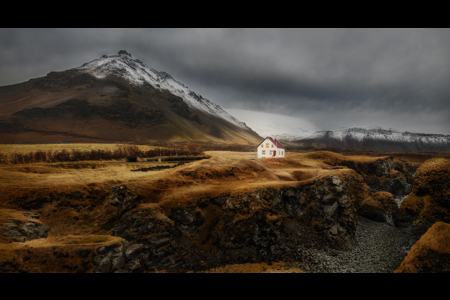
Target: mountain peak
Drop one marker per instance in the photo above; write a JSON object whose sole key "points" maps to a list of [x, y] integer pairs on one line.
{"points": [[124, 52], [137, 73]]}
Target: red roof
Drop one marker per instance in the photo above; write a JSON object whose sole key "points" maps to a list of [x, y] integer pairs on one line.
{"points": [[277, 143], [273, 140]]}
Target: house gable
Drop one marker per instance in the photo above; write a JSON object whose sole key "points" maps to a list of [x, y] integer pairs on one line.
{"points": [[270, 147], [274, 141]]}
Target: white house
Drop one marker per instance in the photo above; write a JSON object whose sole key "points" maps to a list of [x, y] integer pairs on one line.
{"points": [[270, 147]]}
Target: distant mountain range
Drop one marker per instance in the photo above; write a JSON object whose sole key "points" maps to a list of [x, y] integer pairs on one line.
{"points": [[303, 133], [115, 98], [378, 139]]}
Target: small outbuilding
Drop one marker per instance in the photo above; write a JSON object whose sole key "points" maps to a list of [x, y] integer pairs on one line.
{"points": [[270, 147]]}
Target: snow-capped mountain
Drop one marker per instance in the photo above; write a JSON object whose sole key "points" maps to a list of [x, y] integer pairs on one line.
{"points": [[137, 73], [377, 138], [270, 124], [304, 133], [379, 133], [115, 98]]}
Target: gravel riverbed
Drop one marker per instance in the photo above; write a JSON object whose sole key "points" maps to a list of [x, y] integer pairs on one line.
{"points": [[379, 248]]}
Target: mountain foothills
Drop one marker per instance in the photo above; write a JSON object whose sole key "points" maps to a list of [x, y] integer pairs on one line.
{"points": [[110, 99]]}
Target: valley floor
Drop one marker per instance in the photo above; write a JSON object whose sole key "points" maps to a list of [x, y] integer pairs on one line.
{"points": [[379, 248]]}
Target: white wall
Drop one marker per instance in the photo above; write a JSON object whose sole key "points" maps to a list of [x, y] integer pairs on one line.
{"points": [[272, 147]]}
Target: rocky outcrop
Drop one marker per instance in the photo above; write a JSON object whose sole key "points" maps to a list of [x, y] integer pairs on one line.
{"points": [[265, 224], [19, 231], [380, 207], [429, 200], [431, 253], [124, 258], [383, 174], [123, 199]]}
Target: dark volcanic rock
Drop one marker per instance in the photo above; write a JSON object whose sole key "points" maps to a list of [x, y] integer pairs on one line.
{"points": [[124, 199], [380, 207], [24, 231], [384, 175], [261, 225]]}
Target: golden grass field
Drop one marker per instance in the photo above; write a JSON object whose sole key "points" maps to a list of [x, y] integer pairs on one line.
{"points": [[88, 226], [25, 148]]}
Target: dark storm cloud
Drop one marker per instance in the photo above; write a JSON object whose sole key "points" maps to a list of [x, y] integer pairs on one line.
{"points": [[333, 77]]}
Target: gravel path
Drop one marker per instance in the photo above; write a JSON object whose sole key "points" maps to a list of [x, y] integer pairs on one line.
{"points": [[379, 248]]}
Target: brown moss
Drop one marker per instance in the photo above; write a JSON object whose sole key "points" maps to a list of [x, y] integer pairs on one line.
{"points": [[381, 206], [429, 200], [431, 253], [372, 202]]}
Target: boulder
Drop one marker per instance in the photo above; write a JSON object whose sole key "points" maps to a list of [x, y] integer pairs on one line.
{"points": [[124, 199], [133, 266], [14, 235], [429, 200], [431, 253], [117, 262], [105, 265], [23, 231], [380, 207], [133, 251]]}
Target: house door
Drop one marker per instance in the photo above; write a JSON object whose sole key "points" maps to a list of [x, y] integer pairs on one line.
{"points": [[274, 153]]}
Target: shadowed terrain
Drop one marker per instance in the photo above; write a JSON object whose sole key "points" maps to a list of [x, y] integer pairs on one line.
{"points": [[229, 212], [72, 106]]}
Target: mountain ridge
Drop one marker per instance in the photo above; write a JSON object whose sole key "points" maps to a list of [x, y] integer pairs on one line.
{"points": [[103, 100], [303, 133], [138, 73], [377, 138]]}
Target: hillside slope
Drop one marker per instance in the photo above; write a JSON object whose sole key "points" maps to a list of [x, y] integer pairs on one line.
{"points": [[114, 98]]}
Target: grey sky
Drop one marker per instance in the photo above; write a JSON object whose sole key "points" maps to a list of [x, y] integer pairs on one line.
{"points": [[334, 78]]}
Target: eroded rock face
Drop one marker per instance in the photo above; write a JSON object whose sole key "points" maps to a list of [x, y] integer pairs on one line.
{"points": [[380, 207], [266, 224], [384, 175], [123, 199]]}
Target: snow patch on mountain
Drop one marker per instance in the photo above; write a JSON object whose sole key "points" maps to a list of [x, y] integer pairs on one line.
{"points": [[379, 133], [270, 124], [137, 73]]}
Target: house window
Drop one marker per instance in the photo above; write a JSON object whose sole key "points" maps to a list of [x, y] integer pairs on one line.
{"points": [[264, 152], [271, 152], [267, 145], [272, 145]]}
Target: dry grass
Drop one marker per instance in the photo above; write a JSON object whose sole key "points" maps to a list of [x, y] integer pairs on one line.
{"points": [[62, 241], [23, 154], [225, 173], [276, 267]]}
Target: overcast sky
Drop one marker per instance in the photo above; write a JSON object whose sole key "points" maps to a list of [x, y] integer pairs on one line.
{"points": [[333, 78]]}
